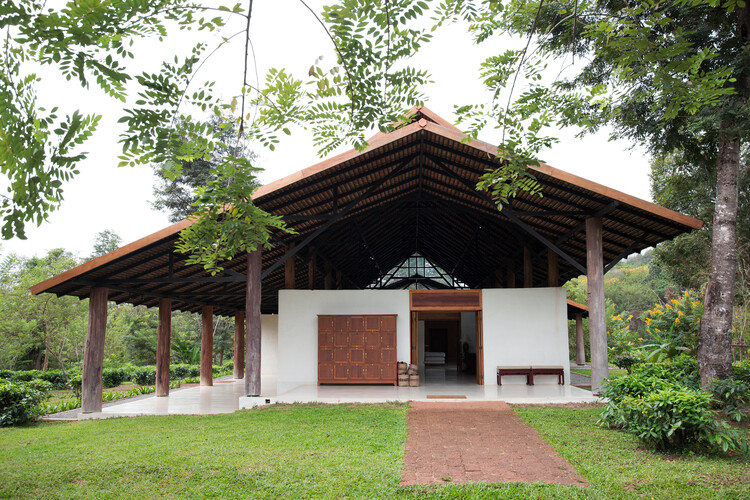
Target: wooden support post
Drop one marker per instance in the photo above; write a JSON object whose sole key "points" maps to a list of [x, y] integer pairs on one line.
{"points": [[528, 270], [252, 332], [553, 269], [597, 307], [163, 347], [207, 346], [498, 278], [580, 346], [328, 279], [290, 276], [510, 282], [239, 344], [311, 271], [93, 352]]}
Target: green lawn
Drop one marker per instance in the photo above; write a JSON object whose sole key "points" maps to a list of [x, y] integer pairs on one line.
{"points": [[613, 372], [324, 451]]}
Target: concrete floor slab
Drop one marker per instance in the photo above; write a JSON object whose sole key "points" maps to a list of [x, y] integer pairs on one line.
{"points": [[225, 396]]}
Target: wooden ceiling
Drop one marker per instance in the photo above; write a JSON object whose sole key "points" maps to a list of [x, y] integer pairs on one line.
{"points": [[361, 213]]}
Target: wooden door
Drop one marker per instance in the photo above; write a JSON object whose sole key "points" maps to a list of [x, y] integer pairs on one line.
{"points": [[480, 349], [357, 349]]}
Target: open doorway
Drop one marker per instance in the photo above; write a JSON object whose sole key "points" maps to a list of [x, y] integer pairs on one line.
{"points": [[447, 347], [446, 335]]}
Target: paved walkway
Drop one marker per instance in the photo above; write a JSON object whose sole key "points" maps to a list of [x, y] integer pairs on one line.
{"points": [[478, 441]]}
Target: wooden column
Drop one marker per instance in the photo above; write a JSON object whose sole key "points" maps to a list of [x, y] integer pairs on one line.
{"points": [[207, 346], [553, 269], [239, 344], [328, 279], [163, 347], [498, 278], [528, 270], [580, 346], [510, 282], [597, 307], [311, 272], [252, 325], [290, 281], [93, 352]]}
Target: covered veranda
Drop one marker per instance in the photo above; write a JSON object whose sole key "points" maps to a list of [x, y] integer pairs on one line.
{"points": [[357, 216]]}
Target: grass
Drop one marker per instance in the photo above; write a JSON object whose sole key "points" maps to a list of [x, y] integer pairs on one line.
{"points": [[354, 450], [613, 372], [291, 451]]}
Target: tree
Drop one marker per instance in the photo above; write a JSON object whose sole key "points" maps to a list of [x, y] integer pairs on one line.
{"points": [[48, 328], [176, 195], [91, 42], [667, 74], [680, 184], [104, 242]]}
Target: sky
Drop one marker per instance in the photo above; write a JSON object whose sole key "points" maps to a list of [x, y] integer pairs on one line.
{"points": [[284, 34]]}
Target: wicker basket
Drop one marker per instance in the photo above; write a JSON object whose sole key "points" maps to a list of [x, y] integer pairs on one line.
{"points": [[413, 380], [401, 367], [403, 380]]}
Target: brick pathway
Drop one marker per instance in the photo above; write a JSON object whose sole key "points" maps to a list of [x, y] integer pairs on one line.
{"points": [[478, 441]]}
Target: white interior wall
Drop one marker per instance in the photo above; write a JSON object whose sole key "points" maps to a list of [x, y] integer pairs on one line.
{"points": [[298, 326], [524, 326], [269, 345]]}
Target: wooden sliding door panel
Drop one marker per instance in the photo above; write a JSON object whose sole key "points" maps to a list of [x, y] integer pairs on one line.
{"points": [[325, 371], [357, 349], [325, 356]]}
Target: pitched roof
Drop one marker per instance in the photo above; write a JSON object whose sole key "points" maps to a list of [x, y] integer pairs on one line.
{"points": [[361, 212]]}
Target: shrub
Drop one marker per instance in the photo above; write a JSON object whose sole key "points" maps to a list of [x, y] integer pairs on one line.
{"points": [[66, 405], [225, 369], [681, 370], [145, 375], [24, 376], [75, 384], [672, 329], [620, 339], [627, 361], [20, 402], [678, 418], [57, 379], [741, 371], [180, 371], [113, 377], [635, 385], [731, 396]]}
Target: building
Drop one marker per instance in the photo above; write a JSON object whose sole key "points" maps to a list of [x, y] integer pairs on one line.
{"points": [[397, 243]]}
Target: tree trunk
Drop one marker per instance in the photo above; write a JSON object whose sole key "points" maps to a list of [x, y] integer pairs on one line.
{"points": [[715, 341]]}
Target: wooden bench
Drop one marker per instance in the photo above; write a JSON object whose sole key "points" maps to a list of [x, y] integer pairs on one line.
{"points": [[530, 371], [549, 370], [515, 370]]}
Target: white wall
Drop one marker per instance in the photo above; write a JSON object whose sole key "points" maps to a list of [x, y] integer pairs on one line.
{"points": [[269, 345], [524, 326], [298, 326]]}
